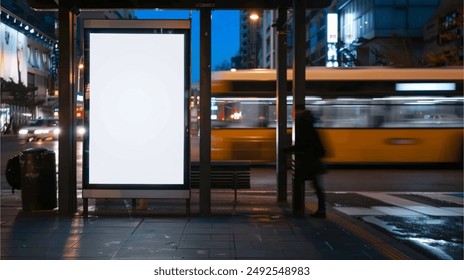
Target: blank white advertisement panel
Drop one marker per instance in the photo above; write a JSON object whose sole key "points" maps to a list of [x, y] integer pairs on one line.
{"points": [[137, 109]]}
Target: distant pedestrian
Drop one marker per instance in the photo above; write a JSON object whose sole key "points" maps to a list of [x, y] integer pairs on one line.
{"points": [[311, 166], [8, 126]]}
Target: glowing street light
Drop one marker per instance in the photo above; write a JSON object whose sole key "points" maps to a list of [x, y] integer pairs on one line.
{"points": [[254, 16]]}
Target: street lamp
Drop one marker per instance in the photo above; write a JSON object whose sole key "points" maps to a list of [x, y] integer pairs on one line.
{"points": [[254, 17]]}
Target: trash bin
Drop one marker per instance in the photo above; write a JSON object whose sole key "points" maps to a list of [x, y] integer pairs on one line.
{"points": [[37, 179]]}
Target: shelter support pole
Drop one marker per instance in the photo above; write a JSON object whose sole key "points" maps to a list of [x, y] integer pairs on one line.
{"points": [[299, 65], [281, 98], [67, 190], [205, 111]]}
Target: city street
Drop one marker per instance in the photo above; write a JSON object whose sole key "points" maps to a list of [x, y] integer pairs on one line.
{"points": [[421, 208]]}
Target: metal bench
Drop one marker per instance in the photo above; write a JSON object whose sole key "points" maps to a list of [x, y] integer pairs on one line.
{"points": [[224, 175]]}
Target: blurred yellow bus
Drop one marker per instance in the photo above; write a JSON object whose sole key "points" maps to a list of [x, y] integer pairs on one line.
{"points": [[365, 115]]}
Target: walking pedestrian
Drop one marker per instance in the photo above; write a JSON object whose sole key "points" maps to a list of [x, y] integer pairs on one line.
{"points": [[312, 151]]}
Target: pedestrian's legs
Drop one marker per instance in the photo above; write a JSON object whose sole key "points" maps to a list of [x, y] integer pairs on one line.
{"points": [[298, 197], [317, 183]]}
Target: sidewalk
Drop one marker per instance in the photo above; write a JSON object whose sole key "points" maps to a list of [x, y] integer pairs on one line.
{"points": [[255, 227]]}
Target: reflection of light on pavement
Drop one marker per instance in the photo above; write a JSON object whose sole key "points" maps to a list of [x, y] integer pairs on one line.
{"points": [[385, 225], [71, 244], [434, 222], [412, 228], [433, 246]]}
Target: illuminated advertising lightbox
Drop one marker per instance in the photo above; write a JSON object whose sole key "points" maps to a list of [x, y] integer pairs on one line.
{"points": [[332, 28], [137, 107]]}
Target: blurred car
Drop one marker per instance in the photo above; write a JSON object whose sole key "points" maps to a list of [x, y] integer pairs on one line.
{"points": [[40, 129], [47, 129]]}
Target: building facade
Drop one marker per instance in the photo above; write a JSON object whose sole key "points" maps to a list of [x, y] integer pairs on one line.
{"points": [[250, 40], [397, 33], [383, 32], [443, 35], [29, 61]]}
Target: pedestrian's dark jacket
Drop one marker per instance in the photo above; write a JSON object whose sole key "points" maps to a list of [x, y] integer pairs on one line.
{"points": [[310, 146]]}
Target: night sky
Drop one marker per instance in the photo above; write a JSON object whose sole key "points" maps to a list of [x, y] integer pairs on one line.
{"points": [[225, 34]]}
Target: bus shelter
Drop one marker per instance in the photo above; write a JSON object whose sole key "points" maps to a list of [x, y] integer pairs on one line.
{"points": [[68, 12]]}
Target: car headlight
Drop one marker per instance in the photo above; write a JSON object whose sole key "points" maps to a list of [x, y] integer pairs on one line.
{"points": [[40, 131], [22, 131]]}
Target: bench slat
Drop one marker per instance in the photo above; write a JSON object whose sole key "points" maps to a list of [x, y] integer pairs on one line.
{"points": [[234, 175]]}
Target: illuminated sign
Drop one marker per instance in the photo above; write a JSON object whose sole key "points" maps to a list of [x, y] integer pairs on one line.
{"points": [[332, 28], [332, 39], [136, 110], [14, 55]]}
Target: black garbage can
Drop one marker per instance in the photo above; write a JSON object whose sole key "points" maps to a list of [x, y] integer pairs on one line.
{"points": [[37, 179]]}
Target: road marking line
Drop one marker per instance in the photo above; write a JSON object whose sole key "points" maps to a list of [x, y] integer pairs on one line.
{"points": [[432, 211], [408, 204], [458, 210], [359, 211], [445, 197], [397, 211]]}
